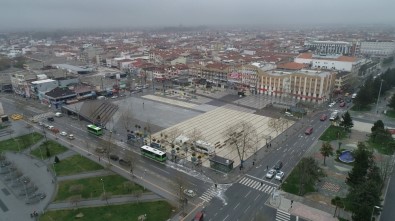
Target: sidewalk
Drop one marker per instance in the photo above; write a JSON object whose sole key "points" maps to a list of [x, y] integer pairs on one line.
{"points": [[99, 202], [85, 175], [304, 208], [33, 147]]}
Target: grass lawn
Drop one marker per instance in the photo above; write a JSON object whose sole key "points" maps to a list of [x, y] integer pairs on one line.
{"points": [[54, 149], [21, 142], [358, 108], [291, 184], [75, 164], [157, 211], [332, 132], [381, 148], [93, 187], [390, 113]]}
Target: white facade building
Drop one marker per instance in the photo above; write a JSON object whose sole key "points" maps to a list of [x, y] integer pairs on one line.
{"points": [[330, 47], [328, 62], [376, 48]]}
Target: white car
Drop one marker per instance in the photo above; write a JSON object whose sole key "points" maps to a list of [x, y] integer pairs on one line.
{"points": [[63, 133], [270, 173], [113, 97], [189, 193], [50, 127], [279, 175]]}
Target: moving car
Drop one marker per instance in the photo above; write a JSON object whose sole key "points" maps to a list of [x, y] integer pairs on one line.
{"points": [[278, 166], [58, 114], [189, 193], [114, 157], [309, 131], [50, 119], [63, 133], [342, 104], [279, 175], [323, 117], [71, 137], [125, 162], [270, 174]]}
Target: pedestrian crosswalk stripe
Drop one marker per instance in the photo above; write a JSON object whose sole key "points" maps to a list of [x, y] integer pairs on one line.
{"points": [[258, 185], [208, 195], [282, 216]]}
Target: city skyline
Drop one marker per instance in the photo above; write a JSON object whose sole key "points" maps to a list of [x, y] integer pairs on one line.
{"points": [[45, 14]]}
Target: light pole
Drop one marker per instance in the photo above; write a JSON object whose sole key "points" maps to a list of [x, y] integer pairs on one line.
{"points": [[104, 191], [378, 97], [375, 207]]}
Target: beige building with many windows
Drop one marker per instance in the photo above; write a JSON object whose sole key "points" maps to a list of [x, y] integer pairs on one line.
{"points": [[305, 85]]}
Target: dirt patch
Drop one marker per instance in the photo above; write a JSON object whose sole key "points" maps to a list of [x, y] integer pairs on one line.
{"points": [[335, 175], [317, 197]]}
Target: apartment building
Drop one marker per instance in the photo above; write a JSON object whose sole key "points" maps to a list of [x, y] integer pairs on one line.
{"points": [[377, 48], [305, 85], [329, 47], [328, 62]]}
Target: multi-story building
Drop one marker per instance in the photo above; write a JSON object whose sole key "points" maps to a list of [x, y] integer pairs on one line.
{"points": [[377, 48], [329, 62], [305, 85], [38, 88], [330, 47], [20, 82]]}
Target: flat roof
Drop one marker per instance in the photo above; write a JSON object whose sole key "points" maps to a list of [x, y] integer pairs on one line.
{"points": [[42, 81], [71, 67]]}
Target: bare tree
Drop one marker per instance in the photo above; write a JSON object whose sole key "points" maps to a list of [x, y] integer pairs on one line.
{"points": [[195, 135], [137, 194], [75, 199], [148, 130], [179, 185], [129, 186], [106, 196], [275, 124], [129, 156], [243, 137], [126, 119], [385, 169], [172, 135]]}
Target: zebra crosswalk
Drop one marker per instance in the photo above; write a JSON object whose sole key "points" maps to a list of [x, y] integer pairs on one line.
{"points": [[260, 186], [282, 216], [208, 195]]}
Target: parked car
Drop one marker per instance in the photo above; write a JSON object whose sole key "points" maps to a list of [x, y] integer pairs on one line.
{"points": [[342, 104], [309, 131], [114, 157], [63, 133], [50, 127], [199, 216], [323, 117], [41, 123], [278, 166], [50, 119], [279, 175], [270, 174], [125, 162], [288, 114], [114, 97]]}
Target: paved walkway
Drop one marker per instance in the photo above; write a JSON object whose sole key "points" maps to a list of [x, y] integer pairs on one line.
{"points": [[145, 197], [33, 147], [85, 175]]}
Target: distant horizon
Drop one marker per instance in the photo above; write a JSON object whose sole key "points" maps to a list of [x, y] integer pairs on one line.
{"points": [[99, 14], [203, 27]]}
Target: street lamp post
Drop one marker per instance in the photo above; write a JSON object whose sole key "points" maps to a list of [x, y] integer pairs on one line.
{"points": [[375, 207], [104, 190], [378, 97]]}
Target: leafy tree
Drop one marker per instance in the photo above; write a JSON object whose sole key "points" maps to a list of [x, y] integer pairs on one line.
{"points": [[326, 150], [364, 97], [347, 123], [378, 125], [363, 161], [309, 173], [57, 159], [392, 102]]}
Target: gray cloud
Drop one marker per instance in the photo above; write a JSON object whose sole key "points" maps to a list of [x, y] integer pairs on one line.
{"points": [[136, 13]]}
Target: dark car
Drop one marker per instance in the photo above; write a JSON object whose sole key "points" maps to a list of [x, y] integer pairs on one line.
{"points": [[323, 117], [309, 131], [278, 165], [50, 119], [114, 157], [125, 162]]}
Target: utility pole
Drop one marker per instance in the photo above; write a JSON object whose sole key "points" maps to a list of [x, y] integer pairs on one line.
{"points": [[378, 97]]}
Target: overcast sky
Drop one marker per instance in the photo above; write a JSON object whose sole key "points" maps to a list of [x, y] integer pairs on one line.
{"points": [[21, 14]]}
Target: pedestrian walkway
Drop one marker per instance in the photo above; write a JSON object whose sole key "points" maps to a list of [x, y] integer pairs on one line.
{"points": [[209, 194], [146, 197], [33, 147], [86, 175], [260, 186], [282, 215]]}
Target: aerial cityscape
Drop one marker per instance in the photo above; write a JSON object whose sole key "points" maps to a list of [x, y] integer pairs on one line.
{"points": [[197, 110]]}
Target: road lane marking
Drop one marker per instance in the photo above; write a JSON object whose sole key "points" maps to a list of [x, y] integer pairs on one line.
{"points": [[247, 194], [247, 208], [256, 197], [236, 206], [226, 217]]}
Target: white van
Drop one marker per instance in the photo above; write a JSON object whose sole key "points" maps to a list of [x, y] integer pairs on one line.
{"points": [[71, 137], [58, 114]]}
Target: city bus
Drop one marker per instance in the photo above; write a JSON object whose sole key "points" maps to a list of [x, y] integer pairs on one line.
{"points": [[153, 153], [94, 130]]}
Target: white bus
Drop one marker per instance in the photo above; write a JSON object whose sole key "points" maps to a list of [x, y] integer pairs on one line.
{"points": [[333, 115], [204, 147]]}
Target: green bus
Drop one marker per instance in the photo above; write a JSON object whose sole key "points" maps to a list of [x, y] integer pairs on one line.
{"points": [[94, 130], [153, 153]]}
